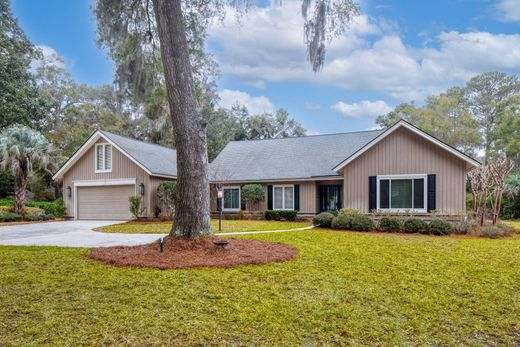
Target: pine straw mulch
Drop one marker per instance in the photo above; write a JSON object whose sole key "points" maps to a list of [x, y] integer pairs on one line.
{"points": [[181, 253]]}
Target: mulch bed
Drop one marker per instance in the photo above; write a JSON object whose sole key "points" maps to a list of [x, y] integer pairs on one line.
{"points": [[181, 253]]}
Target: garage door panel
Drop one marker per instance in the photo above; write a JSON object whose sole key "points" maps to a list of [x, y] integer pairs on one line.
{"points": [[104, 202]]}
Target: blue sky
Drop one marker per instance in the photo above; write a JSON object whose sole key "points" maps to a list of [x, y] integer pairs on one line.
{"points": [[396, 51]]}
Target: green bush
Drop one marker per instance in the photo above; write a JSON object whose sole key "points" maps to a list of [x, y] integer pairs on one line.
{"points": [[390, 225], [56, 207], [361, 223], [494, 231], [349, 211], [323, 219], [33, 218], [252, 195], [342, 221], [440, 227], [136, 206], [33, 211], [414, 225], [281, 215], [333, 212], [10, 217]]}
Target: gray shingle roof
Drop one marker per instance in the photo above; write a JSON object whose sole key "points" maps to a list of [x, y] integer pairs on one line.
{"points": [[157, 159], [287, 158]]}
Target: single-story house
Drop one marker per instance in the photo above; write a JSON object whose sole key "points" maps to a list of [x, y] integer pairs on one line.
{"points": [[100, 177], [400, 169]]}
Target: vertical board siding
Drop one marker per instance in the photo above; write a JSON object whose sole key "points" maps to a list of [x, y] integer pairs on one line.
{"points": [[404, 152], [308, 193], [122, 168]]}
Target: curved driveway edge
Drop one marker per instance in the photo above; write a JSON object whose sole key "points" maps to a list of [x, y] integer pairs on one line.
{"points": [[80, 234], [69, 234]]}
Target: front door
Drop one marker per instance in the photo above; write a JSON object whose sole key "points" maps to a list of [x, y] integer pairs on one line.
{"points": [[330, 198]]}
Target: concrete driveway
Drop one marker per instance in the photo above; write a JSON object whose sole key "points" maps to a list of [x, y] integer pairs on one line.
{"points": [[69, 234]]}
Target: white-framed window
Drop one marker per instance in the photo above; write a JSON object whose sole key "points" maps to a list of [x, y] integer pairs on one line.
{"points": [[231, 198], [283, 197], [399, 193], [103, 160]]}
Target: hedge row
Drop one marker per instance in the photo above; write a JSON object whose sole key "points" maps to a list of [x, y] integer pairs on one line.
{"points": [[55, 208], [281, 215], [354, 220], [13, 217]]}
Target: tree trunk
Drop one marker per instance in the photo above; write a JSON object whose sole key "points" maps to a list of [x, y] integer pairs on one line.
{"points": [[192, 215], [20, 189]]}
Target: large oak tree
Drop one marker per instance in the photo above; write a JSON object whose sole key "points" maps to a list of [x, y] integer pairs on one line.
{"points": [[179, 27]]}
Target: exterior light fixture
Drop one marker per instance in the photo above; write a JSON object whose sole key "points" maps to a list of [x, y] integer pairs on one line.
{"points": [[69, 191], [220, 196], [141, 189]]}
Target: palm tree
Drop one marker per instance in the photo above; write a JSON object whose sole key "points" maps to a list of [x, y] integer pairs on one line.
{"points": [[21, 149]]}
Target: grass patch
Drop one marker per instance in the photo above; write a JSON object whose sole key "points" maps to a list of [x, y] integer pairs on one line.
{"points": [[343, 288], [227, 226], [515, 224]]}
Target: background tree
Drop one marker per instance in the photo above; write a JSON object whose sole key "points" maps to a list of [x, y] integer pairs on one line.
{"points": [[21, 150], [506, 137], [20, 101], [166, 195], [483, 94]]}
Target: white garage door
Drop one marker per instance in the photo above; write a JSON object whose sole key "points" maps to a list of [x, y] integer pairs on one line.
{"points": [[106, 202]]}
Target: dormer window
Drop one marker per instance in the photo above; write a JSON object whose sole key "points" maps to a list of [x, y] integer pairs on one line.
{"points": [[104, 157]]}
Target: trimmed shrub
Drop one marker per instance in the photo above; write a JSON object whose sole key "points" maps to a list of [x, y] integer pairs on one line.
{"points": [[342, 221], [33, 218], [136, 206], [34, 211], [281, 215], [361, 223], [440, 227], [6, 209], [495, 231], [349, 211], [390, 225], [414, 225], [56, 207], [59, 209], [10, 217], [333, 212], [252, 195], [323, 219]]}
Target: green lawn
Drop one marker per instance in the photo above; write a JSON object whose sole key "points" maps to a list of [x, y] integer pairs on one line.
{"points": [[343, 288], [227, 226], [515, 224]]}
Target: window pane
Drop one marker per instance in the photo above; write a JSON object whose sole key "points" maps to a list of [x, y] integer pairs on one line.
{"points": [[384, 194], [231, 198], [99, 157], [401, 194], [108, 157], [418, 193], [288, 194], [278, 191]]}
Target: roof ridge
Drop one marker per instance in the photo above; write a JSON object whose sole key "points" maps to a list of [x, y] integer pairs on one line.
{"points": [[136, 140], [306, 136]]}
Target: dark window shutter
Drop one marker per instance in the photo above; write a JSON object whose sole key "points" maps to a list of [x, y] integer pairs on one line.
{"points": [[269, 197], [432, 188], [297, 197], [372, 193]]}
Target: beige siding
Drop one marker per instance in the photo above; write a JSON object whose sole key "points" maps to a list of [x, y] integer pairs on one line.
{"points": [[404, 152], [308, 192], [122, 168]]}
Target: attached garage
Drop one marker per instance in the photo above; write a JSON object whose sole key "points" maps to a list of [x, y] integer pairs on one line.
{"points": [[104, 202]]}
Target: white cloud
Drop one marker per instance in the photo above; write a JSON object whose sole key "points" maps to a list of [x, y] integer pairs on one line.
{"points": [[255, 104], [509, 10], [50, 57], [371, 56], [362, 109]]}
